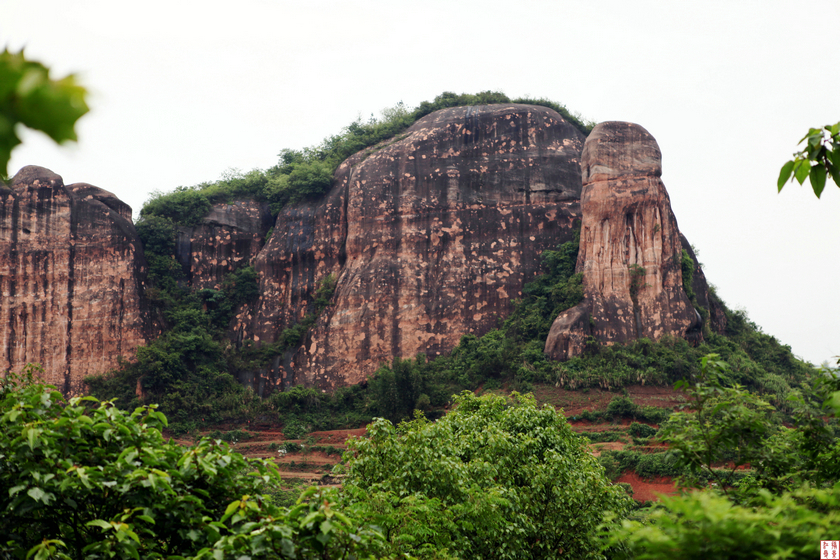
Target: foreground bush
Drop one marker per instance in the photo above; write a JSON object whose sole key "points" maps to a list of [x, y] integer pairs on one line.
{"points": [[706, 524], [491, 479], [82, 479]]}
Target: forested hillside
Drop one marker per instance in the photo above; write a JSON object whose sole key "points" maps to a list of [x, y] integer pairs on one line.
{"points": [[441, 472], [191, 370]]}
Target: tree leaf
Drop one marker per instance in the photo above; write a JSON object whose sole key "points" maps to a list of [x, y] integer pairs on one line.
{"points": [[785, 173], [818, 179], [230, 510], [801, 170]]}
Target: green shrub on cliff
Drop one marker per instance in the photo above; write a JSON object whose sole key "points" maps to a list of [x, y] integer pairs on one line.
{"points": [[186, 369], [306, 174]]}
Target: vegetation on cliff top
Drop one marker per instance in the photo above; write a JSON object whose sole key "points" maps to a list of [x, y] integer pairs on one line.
{"points": [[307, 174]]}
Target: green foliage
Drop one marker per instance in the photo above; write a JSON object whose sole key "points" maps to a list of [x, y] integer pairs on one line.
{"points": [[610, 465], [637, 281], [819, 159], [232, 436], [642, 430], [28, 96], [726, 425], [312, 528], [238, 288], [757, 361], [105, 482], [646, 465], [621, 407], [575, 119], [294, 429], [82, 479], [704, 524], [781, 508], [186, 369], [327, 449], [303, 175], [187, 206], [599, 437], [291, 447], [491, 479], [189, 368], [687, 265]]}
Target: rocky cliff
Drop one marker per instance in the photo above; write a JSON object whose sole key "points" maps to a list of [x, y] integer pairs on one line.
{"points": [[630, 251], [71, 274], [228, 237], [430, 236]]}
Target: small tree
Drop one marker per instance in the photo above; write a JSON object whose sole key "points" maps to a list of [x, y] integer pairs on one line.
{"points": [[491, 479]]}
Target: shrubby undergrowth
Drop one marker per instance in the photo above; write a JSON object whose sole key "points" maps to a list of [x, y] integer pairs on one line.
{"points": [[82, 479], [307, 174]]}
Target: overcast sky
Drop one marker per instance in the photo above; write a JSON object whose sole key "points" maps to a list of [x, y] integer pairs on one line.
{"points": [[182, 91]]}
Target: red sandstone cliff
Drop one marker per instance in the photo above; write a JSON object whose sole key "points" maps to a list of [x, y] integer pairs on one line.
{"points": [[630, 248], [71, 272], [430, 236], [229, 236]]}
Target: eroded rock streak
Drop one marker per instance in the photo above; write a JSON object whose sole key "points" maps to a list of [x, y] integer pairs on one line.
{"points": [[71, 273], [430, 236], [630, 246], [229, 237]]}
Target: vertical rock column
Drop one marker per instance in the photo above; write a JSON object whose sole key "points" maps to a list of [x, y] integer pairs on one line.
{"points": [[71, 270], [630, 247]]}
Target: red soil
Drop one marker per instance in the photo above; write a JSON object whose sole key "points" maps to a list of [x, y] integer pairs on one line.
{"points": [[648, 489]]}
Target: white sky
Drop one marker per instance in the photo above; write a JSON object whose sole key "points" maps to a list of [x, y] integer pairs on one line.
{"points": [[183, 90]]}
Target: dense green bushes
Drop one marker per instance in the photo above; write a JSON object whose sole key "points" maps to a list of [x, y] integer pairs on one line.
{"points": [[188, 370], [491, 479], [81, 479], [307, 174]]}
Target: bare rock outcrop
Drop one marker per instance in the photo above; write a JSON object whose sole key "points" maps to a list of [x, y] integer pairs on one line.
{"points": [[230, 235], [430, 236], [71, 273], [630, 250]]}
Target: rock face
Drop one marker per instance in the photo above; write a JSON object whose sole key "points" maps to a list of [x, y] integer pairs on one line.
{"points": [[429, 237], [630, 249], [71, 273], [228, 236], [567, 337]]}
